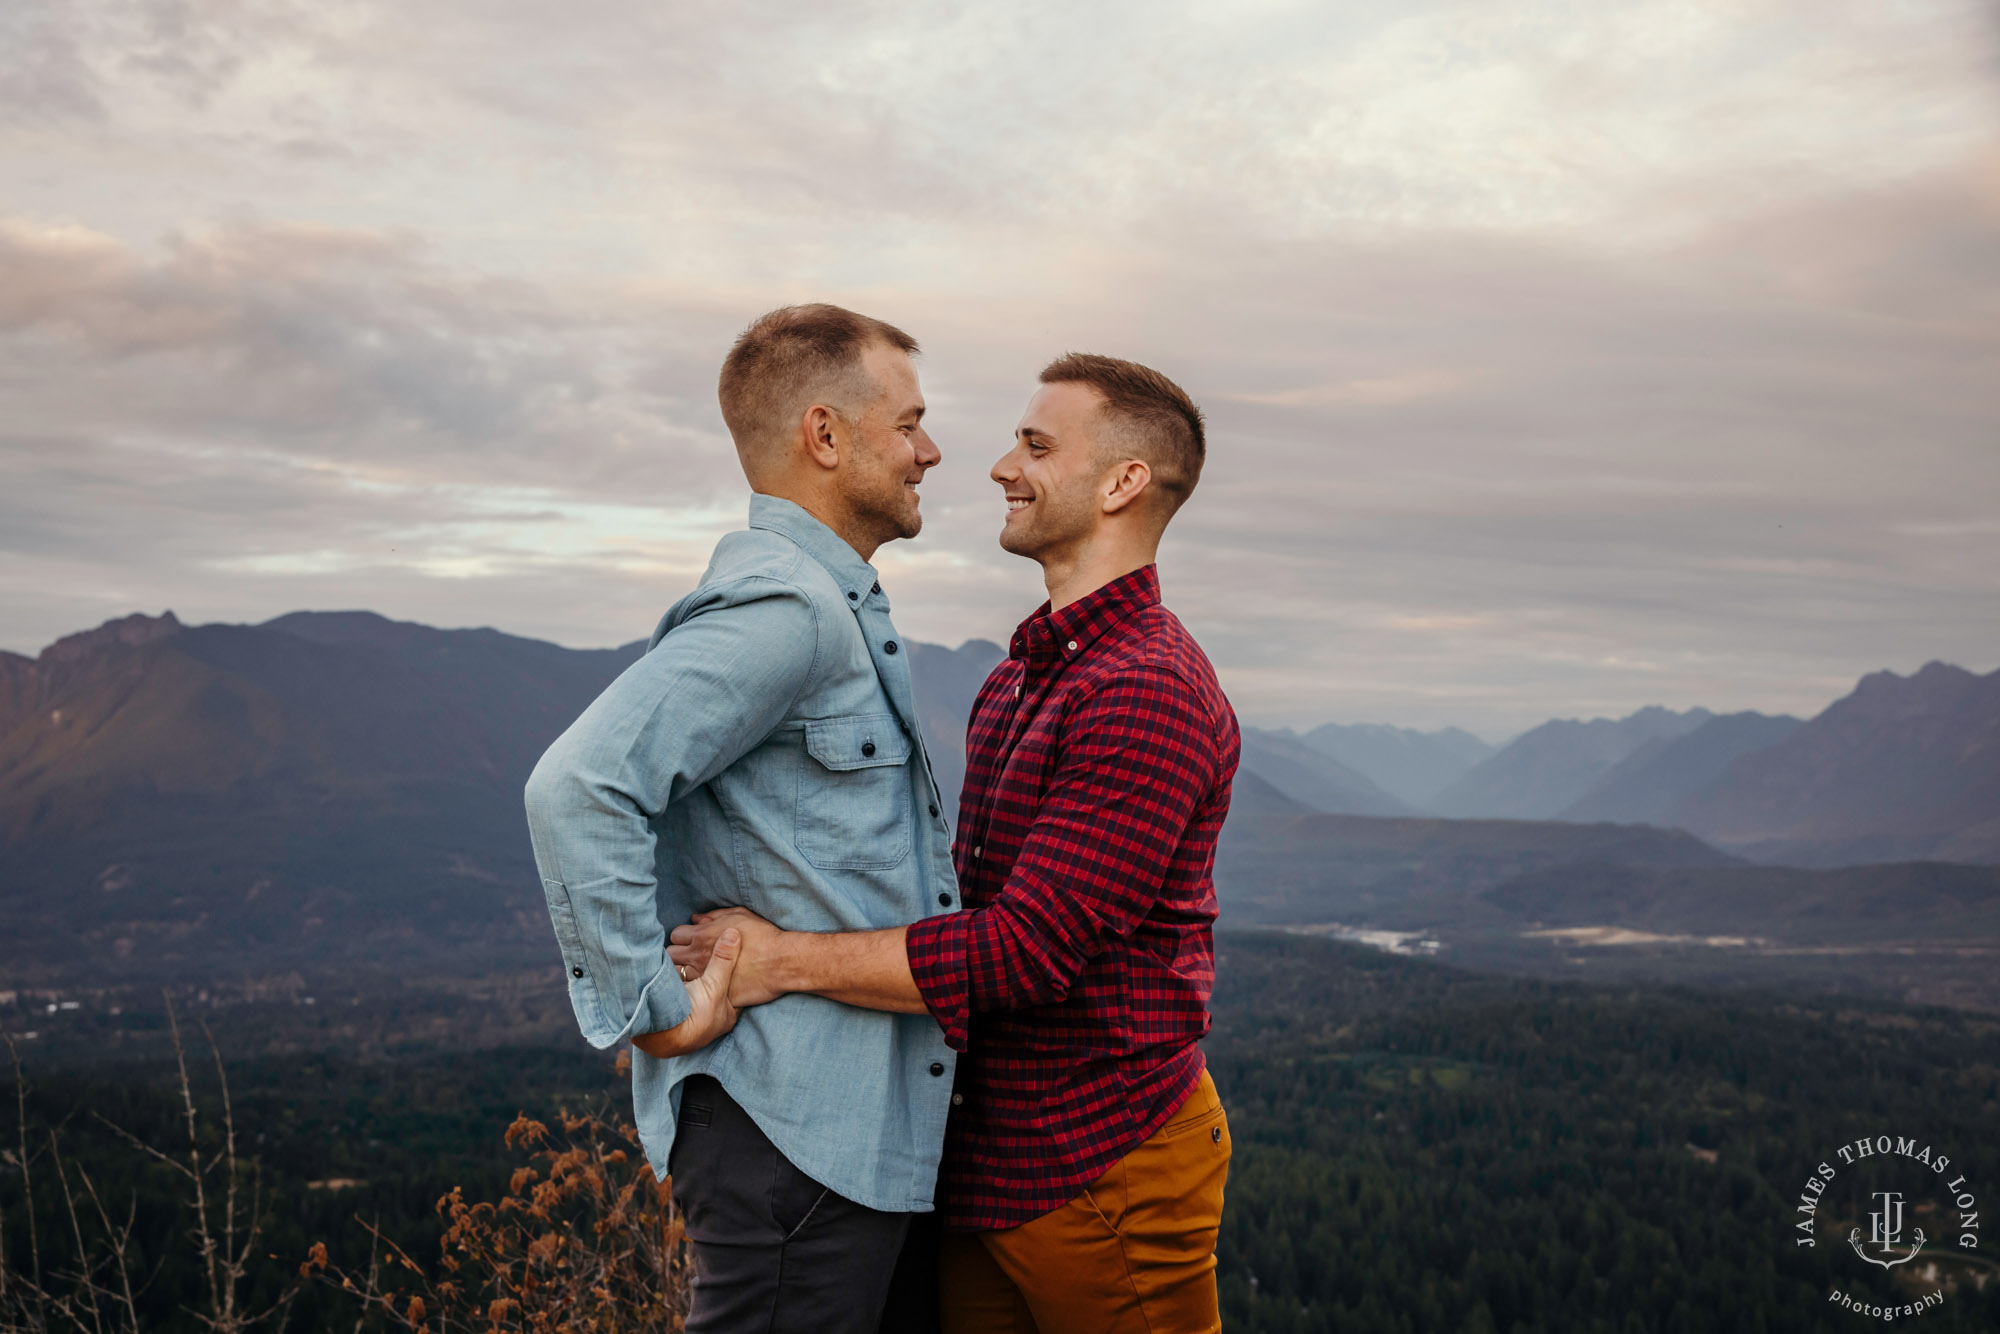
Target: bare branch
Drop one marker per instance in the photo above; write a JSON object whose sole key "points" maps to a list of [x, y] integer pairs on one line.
{"points": [[3, 1223], [27, 1176], [85, 1269], [121, 1247], [203, 1233], [232, 1263], [140, 1144]]}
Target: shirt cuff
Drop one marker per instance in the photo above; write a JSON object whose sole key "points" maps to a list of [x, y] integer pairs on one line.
{"points": [[937, 950], [663, 1003]]}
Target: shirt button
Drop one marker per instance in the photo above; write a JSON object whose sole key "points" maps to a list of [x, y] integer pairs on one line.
{"points": [[1072, 646], [889, 647], [944, 900], [975, 852], [854, 597], [576, 972], [958, 1099], [934, 811], [876, 589], [868, 748], [937, 1068], [1017, 692]]}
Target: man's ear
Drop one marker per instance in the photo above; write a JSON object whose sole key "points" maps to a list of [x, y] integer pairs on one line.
{"points": [[824, 435], [1125, 483]]}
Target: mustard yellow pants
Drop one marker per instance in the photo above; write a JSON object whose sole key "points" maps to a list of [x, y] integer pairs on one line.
{"points": [[1133, 1254]]}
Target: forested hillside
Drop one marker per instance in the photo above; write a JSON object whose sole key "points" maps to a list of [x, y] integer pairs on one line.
{"points": [[1417, 1148], [1424, 1149]]}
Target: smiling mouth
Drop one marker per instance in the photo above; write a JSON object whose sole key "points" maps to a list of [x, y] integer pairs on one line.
{"points": [[1015, 504]]}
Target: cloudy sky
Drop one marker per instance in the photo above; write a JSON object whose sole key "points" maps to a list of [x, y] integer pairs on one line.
{"points": [[1560, 358]]}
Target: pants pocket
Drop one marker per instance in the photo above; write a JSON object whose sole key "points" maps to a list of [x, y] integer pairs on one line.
{"points": [[794, 1197], [697, 1108], [1202, 1108]]}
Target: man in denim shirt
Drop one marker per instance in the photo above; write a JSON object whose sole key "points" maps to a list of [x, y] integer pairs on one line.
{"points": [[764, 752]]}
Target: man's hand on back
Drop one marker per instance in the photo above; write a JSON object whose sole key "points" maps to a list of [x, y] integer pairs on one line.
{"points": [[714, 1013], [693, 946], [869, 969]]}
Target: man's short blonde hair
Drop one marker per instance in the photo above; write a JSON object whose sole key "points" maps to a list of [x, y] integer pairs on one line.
{"points": [[792, 358]]}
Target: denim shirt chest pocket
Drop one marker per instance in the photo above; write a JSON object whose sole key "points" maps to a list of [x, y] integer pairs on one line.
{"points": [[854, 793]]}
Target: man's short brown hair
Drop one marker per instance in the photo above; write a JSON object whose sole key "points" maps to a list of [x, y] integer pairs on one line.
{"points": [[792, 358], [1150, 414]]}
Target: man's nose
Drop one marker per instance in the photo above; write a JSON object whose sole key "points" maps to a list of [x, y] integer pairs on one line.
{"points": [[928, 453], [1004, 470]]}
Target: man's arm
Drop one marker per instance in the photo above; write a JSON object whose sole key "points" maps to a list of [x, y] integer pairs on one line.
{"points": [[709, 691], [1138, 758], [868, 969]]}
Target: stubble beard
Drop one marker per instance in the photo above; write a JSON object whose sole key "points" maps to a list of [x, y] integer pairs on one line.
{"points": [[1017, 540], [910, 521], [1050, 526], [889, 507], [889, 521]]}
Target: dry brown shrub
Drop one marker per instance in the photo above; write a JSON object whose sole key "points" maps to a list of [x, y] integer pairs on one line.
{"points": [[585, 1241]]}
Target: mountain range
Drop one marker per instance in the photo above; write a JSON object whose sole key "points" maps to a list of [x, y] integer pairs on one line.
{"points": [[1904, 767], [1649, 785], [1547, 769], [1313, 779], [325, 789], [340, 789], [308, 708], [1409, 765]]}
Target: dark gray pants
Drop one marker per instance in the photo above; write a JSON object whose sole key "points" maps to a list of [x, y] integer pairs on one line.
{"points": [[775, 1251]]}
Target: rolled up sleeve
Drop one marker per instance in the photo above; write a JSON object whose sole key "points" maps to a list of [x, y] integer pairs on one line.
{"points": [[1138, 758], [713, 688]]}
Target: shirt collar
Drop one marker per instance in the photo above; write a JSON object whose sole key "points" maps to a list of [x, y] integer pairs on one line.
{"points": [[1048, 636], [856, 577]]}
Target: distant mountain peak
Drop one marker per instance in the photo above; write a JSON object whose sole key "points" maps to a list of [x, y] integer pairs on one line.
{"points": [[1903, 767], [1932, 674], [1653, 711], [1647, 785], [358, 618], [1313, 779], [1410, 765], [1546, 769], [125, 631], [1648, 715], [1934, 690]]}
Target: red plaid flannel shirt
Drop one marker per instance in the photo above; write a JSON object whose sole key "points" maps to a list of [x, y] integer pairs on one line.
{"points": [[1076, 980]]}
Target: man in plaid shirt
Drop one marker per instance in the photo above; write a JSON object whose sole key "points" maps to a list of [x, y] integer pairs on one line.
{"points": [[1086, 1150]]}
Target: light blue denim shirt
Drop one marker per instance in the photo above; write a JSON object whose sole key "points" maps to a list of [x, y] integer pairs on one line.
{"points": [[764, 753]]}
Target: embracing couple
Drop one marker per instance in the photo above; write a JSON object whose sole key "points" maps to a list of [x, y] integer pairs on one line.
{"points": [[903, 1081]]}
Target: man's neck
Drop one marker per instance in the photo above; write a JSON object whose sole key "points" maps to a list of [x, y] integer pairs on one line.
{"points": [[834, 515], [1070, 581]]}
